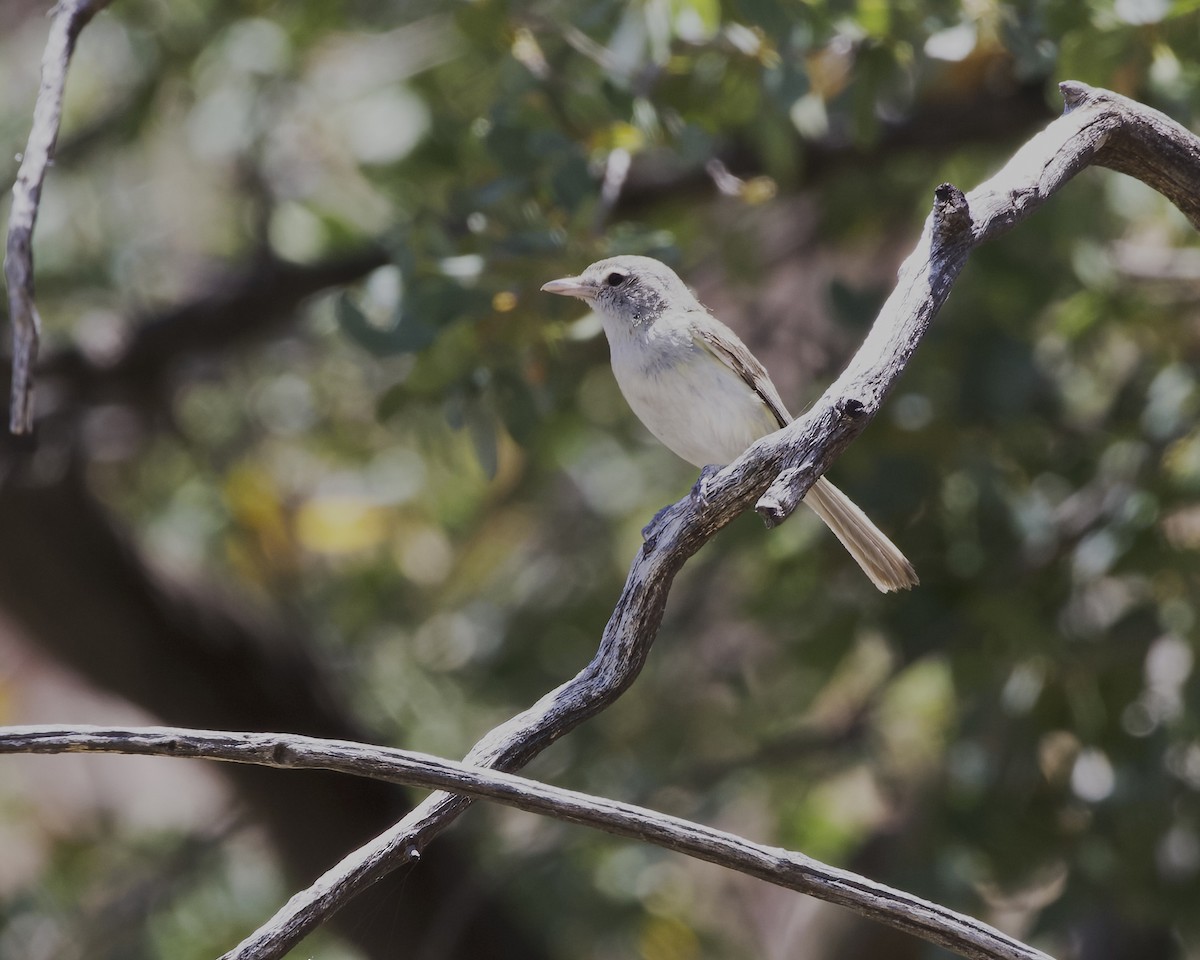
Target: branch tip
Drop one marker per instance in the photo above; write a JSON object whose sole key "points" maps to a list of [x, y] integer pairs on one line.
{"points": [[951, 214], [1075, 94], [786, 491]]}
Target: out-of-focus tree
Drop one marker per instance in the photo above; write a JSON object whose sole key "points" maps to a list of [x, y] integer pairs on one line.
{"points": [[315, 455]]}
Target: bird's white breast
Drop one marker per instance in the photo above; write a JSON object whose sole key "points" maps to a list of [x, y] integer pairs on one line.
{"points": [[696, 405]]}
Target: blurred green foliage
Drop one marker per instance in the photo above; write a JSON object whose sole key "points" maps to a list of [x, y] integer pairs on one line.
{"points": [[434, 470]]}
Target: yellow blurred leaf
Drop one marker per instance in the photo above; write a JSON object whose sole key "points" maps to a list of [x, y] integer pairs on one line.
{"points": [[875, 16], [254, 501], [256, 505], [623, 136], [758, 190], [665, 938], [340, 524]]}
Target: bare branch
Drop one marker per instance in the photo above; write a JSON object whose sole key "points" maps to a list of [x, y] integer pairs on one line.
{"points": [[70, 17], [1143, 143], [794, 871], [1099, 127]]}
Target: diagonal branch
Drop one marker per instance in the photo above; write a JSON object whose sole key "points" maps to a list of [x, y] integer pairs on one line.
{"points": [[784, 868], [70, 17], [1098, 128]]}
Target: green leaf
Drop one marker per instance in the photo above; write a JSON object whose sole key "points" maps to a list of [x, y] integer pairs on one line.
{"points": [[482, 427], [354, 323], [394, 399], [413, 331], [517, 408]]}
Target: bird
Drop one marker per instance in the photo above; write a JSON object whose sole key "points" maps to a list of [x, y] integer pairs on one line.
{"points": [[695, 386]]}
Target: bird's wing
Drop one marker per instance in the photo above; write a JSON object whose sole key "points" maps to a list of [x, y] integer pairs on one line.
{"points": [[723, 344]]}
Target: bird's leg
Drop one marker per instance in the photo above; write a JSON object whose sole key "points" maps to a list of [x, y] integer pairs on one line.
{"points": [[700, 487]]}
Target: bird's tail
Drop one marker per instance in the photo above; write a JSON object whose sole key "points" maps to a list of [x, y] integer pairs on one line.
{"points": [[880, 559]]}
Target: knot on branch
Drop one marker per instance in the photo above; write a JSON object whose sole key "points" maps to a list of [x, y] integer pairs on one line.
{"points": [[851, 409], [951, 217]]}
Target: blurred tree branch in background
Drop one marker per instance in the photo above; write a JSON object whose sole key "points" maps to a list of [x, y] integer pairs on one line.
{"points": [[239, 309]]}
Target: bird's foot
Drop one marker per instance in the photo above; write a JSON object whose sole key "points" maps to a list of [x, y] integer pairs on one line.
{"points": [[700, 487]]}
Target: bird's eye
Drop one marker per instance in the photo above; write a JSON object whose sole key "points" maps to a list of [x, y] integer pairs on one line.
{"points": [[615, 279]]}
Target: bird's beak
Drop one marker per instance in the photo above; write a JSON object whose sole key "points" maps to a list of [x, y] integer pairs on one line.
{"points": [[570, 287]]}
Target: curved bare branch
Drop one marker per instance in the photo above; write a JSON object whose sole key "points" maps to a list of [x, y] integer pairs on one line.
{"points": [[784, 868]]}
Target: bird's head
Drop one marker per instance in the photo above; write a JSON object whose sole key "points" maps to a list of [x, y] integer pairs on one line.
{"points": [[636, 290]]}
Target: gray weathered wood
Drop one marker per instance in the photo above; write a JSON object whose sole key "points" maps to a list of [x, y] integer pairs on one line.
{"points": [[1099, 128], [70, 17], [785, 868]]}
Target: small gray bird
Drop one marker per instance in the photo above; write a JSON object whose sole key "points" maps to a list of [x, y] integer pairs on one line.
{"points": [[697, 388]]}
